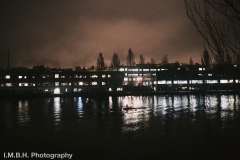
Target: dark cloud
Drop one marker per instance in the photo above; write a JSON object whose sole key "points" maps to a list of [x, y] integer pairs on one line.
{"points": [[69, 33]]}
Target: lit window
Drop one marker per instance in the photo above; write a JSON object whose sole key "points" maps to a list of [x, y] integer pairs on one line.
{"points": [[7, 76], [169, 82], [200, 69], [200, 74], [210, 74], [109, 76], [69, 84], [74, 89], [94, 83], [56, 83], [121, 69], [162, 82], [223, 81], [196, 81], [103, 83], [56, 91], [80, 83], [125, 79], [56, 75], [211, 81], [94, 76], [63, 84], [119, 89], [139, 79], [8, 84], [180, 82], [103, 76], [110, 89], [145, 69], [62, 76], [19, 77]]}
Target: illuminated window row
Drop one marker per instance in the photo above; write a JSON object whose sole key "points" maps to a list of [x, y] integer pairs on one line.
{"points": [[92, 83]]}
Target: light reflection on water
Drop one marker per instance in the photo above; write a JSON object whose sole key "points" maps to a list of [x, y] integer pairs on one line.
{"points": [[155, 106], [23, 112], [223, 105], [92, 123], [57, 109]]}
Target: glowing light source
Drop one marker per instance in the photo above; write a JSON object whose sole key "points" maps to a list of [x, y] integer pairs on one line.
{"points": [[139, 79], [56, 91], [7, 76]]}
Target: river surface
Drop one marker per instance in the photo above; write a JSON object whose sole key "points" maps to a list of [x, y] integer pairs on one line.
{"points": [[160, 127]]}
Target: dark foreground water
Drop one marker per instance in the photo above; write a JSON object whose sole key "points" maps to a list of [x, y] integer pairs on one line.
{"points": [[170, 127]]}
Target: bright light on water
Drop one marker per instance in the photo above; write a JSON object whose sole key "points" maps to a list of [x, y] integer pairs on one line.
{"points": [[165, 126]]}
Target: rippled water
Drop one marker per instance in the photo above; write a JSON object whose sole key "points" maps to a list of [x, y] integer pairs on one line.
{"points": [[161, 127]]}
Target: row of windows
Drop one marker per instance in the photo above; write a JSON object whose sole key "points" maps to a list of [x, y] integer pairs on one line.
{"points": [[59, 76], [95, 89], [136, 69], [197, 81]]}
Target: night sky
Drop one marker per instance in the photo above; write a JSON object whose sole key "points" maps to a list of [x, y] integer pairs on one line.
{"points": [[68, 33]]}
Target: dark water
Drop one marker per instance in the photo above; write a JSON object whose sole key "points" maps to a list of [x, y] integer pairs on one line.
{"points": [[169, 127]]}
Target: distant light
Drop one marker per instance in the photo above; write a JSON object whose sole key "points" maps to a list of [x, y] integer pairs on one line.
{"points": [[56, 91], [7, 76], [139, 79]]}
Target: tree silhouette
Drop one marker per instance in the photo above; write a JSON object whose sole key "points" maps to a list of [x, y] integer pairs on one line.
{"points": [[218, 22], [142, 59], [206, 59], [115, 60], [177, 63], [130, 58], [77, 68], [191, 61], [165, 59], [100, 62], [152, 61]]}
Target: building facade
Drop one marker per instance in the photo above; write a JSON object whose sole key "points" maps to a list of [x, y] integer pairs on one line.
{"points": [[127, 79]]}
